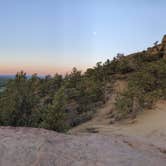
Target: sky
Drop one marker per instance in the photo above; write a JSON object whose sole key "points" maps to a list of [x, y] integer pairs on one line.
{"points": [[50, 36]]}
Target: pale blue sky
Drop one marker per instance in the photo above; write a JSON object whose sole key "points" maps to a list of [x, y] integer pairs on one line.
{"points": [[49, 36]]}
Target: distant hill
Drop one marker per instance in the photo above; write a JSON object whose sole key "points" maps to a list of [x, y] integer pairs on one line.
{"points": [[7, 76], [3, 81]]}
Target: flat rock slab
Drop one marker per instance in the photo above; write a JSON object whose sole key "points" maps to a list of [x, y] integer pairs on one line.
{"points": [[39, 147]]}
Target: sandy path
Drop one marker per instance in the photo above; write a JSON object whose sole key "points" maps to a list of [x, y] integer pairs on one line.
{"points": [[149, 124], [101, 119]]}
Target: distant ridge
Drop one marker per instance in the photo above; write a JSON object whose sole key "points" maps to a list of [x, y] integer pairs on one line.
{"points": [[7, 76], [10, 76]]}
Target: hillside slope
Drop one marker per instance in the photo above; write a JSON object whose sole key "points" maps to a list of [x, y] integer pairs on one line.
{"points": [[150, 123], [101, 117]]}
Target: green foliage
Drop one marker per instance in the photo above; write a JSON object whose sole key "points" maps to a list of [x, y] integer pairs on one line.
{"points": [[45, 102], [17, 102], [120, 64], [145, 86], [123, 104], [54, 115]]}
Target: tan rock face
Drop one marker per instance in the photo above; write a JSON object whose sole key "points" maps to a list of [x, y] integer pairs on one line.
{"points": [[164, 40], [152, 51], [39, 147]]}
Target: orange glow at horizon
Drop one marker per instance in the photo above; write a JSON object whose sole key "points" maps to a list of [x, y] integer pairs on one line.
{"points": [[40, 70]]}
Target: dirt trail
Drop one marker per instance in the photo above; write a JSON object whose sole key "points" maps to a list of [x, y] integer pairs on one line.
{"points": [[149, 123], [101, 118]]}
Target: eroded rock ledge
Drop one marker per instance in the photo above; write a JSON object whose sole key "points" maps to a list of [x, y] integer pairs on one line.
{"points": [[33, 147]]}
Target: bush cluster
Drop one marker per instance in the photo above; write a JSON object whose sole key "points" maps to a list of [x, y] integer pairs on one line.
{"points": [[45, 102], [145, 86]]}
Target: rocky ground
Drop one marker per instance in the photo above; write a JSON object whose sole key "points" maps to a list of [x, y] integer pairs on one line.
{"points": [[39, 147]]}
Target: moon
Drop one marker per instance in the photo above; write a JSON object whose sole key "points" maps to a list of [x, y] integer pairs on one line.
{"points": [[94, 33]]}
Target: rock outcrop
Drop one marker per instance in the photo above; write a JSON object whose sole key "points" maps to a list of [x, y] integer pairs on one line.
{"points": [[39, 147], [158, 48]]}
